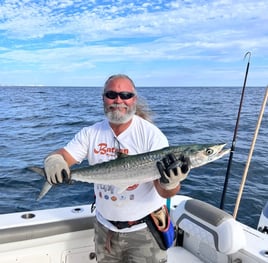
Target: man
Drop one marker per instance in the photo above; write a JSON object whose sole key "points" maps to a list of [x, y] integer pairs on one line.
{"points": [[120, 234]]}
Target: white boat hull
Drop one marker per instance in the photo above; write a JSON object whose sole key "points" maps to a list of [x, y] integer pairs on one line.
{"points": [[65, 235]]}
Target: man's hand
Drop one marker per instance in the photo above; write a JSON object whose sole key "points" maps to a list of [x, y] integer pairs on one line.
{"points": [[57, 169], [172, 171]]}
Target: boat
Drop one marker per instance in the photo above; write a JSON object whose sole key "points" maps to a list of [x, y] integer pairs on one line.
{"points": [[204, 233]]}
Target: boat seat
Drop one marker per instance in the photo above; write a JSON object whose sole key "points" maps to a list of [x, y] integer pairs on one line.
{"points": [[209, 225]]}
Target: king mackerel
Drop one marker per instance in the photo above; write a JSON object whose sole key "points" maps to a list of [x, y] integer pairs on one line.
{"points": [[129, 170]]}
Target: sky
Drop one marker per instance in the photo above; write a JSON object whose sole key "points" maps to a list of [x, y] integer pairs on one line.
{"points": [[155, 42]]}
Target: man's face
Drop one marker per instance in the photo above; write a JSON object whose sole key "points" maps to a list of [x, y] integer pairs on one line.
{"points": [[118, 109]]}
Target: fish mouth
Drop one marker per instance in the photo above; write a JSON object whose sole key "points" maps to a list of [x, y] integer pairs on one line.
{"points": [[222, 151]]}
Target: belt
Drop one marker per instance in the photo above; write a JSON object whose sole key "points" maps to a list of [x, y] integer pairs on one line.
{"points": [[126, 224]]}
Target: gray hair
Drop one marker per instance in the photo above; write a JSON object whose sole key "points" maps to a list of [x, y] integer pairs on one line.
{"points": [[118, 76], [142, 108]]}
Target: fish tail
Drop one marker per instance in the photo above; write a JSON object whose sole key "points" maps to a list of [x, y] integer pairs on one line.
{"points": [[44, 190], [36, 169], [47, 186]]}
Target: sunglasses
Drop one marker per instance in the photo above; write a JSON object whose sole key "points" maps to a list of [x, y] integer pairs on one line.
{"points": [[124, 95]]}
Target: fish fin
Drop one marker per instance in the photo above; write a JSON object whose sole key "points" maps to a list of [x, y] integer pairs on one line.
{"points": [[44, 190], [121, 155], [36, 169]]}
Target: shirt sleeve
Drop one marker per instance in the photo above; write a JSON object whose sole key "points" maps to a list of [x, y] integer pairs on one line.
{"points": [[159, 141], [156, 137], [78, 146]]}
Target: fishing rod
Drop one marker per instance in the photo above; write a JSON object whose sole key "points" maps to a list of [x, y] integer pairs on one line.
{"points": [[250, 154], [234, 135]]}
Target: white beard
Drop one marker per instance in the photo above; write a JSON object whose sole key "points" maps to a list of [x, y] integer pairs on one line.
{"points": [[116, 116]]}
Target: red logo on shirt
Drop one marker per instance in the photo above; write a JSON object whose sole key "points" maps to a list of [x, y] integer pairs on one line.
{"points": [[110, 151]]}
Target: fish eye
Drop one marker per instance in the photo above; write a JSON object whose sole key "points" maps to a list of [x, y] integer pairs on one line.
{"points": [[209, 151]]}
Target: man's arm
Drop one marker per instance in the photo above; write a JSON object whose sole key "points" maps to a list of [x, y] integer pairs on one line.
{"points": [[67, 157], [166, 193]]}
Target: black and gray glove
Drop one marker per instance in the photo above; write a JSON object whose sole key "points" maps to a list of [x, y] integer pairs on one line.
{"points": [[172, 170], [57, 169]]}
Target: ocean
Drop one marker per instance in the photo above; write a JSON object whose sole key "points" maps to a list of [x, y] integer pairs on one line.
{"points": [[38, 120]]}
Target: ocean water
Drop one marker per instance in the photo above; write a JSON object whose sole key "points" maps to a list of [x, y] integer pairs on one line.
{"points": [[37, 120]]}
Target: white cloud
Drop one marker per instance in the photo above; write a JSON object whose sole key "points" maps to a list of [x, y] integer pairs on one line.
{"points": [[72, 35]]}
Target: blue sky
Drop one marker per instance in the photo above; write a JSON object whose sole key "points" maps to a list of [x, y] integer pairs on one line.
{"points": [[157, 43]]}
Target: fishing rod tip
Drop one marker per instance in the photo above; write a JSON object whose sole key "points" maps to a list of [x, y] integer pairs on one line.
{"points": [[248, 54]]}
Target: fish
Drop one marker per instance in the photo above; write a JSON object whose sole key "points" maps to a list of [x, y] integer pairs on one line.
{"points": [[127, 170]]}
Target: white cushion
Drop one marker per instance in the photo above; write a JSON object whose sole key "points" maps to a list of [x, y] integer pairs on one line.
{"points": [[211, 225]]}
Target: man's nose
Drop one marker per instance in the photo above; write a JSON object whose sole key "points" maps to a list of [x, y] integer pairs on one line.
{"points": [[118, 99]]}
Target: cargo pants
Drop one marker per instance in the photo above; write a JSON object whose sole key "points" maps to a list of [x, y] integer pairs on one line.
{"points": [[132, 247]]}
